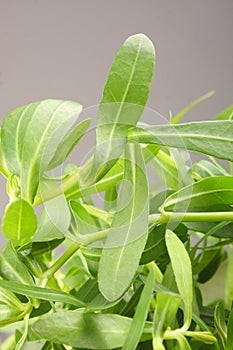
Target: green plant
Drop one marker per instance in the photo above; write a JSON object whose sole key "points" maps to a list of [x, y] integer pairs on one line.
{"points": [[130, 276]]}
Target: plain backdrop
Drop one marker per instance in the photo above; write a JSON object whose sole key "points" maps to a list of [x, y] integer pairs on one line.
{"points": [[64, 49]]}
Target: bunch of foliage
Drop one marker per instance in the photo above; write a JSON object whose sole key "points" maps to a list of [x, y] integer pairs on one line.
{"points": [[130, 275]]}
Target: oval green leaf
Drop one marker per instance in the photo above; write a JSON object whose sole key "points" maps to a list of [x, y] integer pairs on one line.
{"points": [[19, 221], [124, 97]]}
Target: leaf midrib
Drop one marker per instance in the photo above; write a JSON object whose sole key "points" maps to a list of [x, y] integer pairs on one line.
{"points": [[34, 159], [196, 195], [124, 96], [132, 162]]}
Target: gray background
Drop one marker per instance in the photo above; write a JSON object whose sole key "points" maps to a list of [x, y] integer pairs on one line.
{"points": [[64, 49]]}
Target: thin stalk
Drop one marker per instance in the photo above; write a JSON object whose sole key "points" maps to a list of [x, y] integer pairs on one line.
{"points": [[166, 217], [62, 188], [60, 262]]}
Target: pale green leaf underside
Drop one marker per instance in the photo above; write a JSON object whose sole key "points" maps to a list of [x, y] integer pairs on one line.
{"points": [[128, 233], [214, 138]]}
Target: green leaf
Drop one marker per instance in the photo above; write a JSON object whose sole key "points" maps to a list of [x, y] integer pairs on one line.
{"points": [[229, 343], [112, 178], [46, 230], [19, 221], [13, 131], [85, 222], [227, 114], [219, 321], [68, 143], [57, 209], [183, 342], [12, 268], [182, 269], [179, 115], [31, 136], [85, 330], [3, 167], [34, 345], [165, 168], [214, 138], [215, 190], [41, 293], [128, 233], [124, 97], [137, 325], [204, 168], [164, 315]]}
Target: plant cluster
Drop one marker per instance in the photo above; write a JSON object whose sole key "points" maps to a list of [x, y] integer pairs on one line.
{"points": [[132, 273]]}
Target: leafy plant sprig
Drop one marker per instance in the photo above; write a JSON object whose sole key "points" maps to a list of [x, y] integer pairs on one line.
{"points": [[130, 275]]}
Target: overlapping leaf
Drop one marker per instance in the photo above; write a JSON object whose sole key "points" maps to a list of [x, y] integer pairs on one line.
{"points": [[182, 269], [215, 190], [85, 330], [124, 97], [128, 233], [31, 136], [214, 138]]}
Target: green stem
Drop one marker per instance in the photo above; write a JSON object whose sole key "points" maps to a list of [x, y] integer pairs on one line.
{"points": [[62, 188], [166, 217], [60, 262]]}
